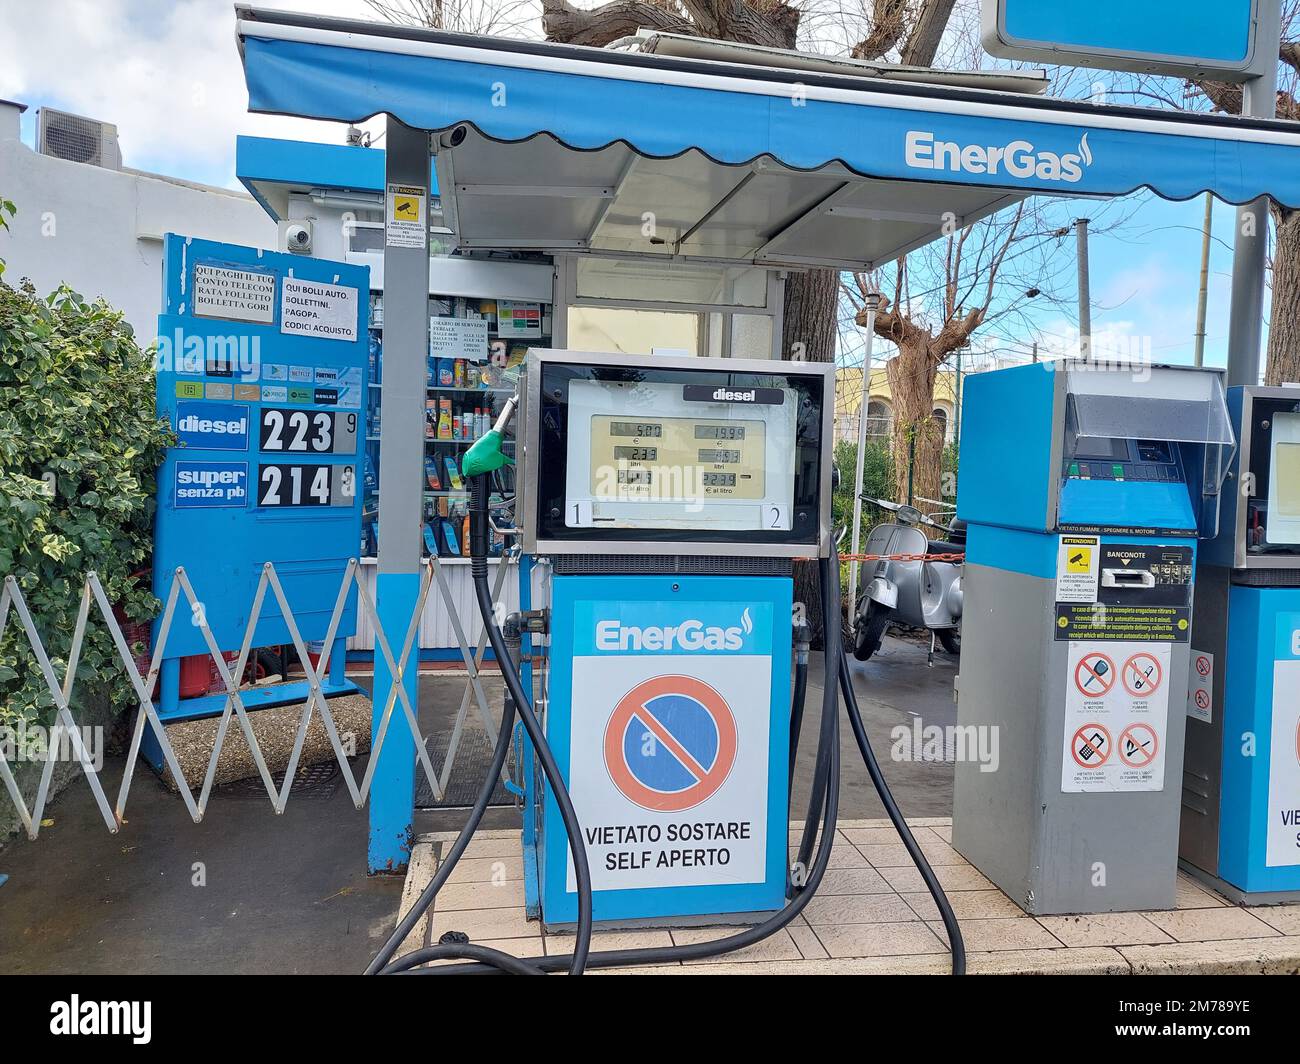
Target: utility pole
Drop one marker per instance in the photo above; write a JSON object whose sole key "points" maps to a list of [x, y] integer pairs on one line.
{"points": [[956, 428], [873, 304], [1203, 296], [1085, 295], [1245, 324]]}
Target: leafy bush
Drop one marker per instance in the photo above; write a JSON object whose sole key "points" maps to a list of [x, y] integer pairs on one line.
{"points": [[877, 482], [79, 452]]}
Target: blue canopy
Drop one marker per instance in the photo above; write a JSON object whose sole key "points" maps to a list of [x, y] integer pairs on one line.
{"points": [[1001, 145]]}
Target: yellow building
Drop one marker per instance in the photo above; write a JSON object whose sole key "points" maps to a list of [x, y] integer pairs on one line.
{"points": [[880, 403]]}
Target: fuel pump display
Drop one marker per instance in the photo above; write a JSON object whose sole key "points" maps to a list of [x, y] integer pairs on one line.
{"points": [[728, 452], [685, 458]]}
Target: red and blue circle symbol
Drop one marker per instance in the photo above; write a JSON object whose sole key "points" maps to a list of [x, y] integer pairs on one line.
{"points": [[670, 743]]}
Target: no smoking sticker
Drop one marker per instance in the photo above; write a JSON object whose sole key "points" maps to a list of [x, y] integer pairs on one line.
{"points": [[1200, 687], [1142, 675]]}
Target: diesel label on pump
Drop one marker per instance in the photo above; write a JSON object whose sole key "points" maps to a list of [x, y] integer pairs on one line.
{"points": [[1141, 592]]}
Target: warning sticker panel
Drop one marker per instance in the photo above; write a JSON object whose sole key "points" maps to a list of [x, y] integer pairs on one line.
{"points": [[1076, 568], [1116, 716], [1200, 687], [1143, 592]]}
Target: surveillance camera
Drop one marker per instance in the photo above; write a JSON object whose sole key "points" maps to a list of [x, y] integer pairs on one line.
{"points": [[297, 237]]}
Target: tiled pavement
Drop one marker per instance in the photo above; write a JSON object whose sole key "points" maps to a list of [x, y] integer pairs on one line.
{"points": [[873, 915]]}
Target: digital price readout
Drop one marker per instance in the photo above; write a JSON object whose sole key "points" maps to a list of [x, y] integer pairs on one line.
{"points": [[676, 466], [631, 454]]}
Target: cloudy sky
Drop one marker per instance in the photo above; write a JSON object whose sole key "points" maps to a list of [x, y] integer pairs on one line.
{"points": [[167, 73]]}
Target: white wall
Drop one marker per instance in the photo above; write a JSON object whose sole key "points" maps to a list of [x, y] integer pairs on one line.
{"points": [[101, 230]]}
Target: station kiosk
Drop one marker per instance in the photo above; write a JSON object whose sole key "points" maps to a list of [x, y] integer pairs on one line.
{"points": [[1085, 490]]}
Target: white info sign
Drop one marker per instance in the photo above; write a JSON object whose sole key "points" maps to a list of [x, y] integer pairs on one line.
{"points": [[1116, 717], [313, 308], [235, 295]]}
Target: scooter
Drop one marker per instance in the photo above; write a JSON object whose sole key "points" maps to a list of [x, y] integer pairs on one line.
{"points": [[921, 594]]}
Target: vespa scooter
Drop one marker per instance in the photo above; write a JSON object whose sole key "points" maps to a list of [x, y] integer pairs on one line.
{"points": [[920, 594]]}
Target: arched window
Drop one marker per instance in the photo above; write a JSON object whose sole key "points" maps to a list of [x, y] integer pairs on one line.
{"points": [[941, 416], [880, 420]]}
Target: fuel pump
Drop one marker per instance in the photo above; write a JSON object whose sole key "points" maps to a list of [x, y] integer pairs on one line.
{"points": [[1241, 787], [670, 498]]}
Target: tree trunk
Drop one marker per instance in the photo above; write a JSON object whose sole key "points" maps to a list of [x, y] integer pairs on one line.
{"points": [[808, 334], [918, 435], [809, 329], [1283, 366]]}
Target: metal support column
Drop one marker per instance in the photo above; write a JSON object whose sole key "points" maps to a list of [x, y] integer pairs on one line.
{"points": [[873, 304], [401, 466], [1246, 323]]}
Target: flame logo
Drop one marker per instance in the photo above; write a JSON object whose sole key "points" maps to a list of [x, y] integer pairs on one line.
{"points": [[745, 622], [1085, 151]]}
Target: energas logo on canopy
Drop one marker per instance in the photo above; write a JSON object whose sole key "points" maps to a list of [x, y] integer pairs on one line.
{"points": [[1019, 158]]}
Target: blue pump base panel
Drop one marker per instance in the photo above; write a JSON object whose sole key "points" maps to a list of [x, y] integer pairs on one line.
{"points": [[668, 710], [1259, 837]]}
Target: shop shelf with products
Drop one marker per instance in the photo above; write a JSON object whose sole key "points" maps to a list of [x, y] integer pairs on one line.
{"points": [[475, 347]]}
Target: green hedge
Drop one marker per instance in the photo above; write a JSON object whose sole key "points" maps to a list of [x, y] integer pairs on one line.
{"points": [[79, 450]]}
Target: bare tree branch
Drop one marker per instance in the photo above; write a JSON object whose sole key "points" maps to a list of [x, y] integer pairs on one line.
{"points": [[561, 21], [888, 23], [923, 42]]}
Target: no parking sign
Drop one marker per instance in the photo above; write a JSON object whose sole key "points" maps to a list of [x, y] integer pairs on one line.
{"points": [[670, 707], [670, 743]]}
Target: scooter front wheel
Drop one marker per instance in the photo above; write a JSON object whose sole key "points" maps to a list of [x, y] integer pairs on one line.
{"points": [[950, 638], [870, 630]]}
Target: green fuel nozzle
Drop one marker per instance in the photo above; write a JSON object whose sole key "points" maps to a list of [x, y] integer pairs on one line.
{"points": [[486, 455]]}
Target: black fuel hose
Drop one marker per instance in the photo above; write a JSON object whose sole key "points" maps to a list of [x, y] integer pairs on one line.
{"points": [[797, 700], [479, 533], [956, 944]]}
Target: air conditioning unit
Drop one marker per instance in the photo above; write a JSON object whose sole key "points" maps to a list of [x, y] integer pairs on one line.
{"points": [[77, 139]]}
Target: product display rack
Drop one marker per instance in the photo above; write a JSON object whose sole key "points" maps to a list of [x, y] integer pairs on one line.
{"points": [[467, 388]]}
